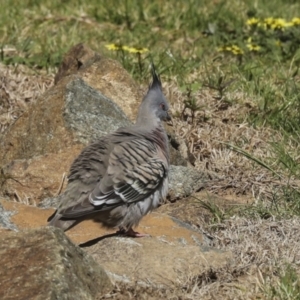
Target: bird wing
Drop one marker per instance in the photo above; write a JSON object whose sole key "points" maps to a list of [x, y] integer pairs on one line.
{"points": [[135, 170], [133, 185], [85, 173]]}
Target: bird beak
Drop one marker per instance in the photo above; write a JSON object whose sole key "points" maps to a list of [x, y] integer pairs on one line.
{"points": [[168, 118]]}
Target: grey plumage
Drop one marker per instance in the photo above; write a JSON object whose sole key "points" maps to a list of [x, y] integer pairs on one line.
{"points": [[124, 175]]}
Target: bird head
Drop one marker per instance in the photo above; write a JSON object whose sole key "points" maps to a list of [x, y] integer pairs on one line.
{"points": [[154, 106]]}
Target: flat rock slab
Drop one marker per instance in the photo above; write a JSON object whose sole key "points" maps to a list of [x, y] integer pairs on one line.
{"points": [[157, 225], [173, 252], [44, 264], [156, 261]]}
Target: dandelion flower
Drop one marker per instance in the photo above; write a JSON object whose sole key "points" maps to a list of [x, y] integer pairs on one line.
{"points": [[253, 47], [113, 47], [278, 23], [295, 21], [252, 22], [236, 50], [135, 50], [233, 49], [269, 21]]}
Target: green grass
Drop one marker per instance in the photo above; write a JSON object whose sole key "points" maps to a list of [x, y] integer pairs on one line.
{"points": [[286, 287], [180, 35]]}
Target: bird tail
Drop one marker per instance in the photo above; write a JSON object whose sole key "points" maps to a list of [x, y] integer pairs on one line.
{"points": [[56, 221]]}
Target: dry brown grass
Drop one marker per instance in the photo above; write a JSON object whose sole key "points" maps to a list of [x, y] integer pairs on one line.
{"points": [[216, 126], [19, 86], [261, 249]]}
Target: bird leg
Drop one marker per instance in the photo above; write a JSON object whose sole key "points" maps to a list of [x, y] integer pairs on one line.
{"points": [[131, 233]]}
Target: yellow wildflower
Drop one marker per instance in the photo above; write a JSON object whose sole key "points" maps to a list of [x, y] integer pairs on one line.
{"points": [[135, 50], [253, 47], [279, 24], [269, 21], [233, 49], [236, 50], [252, 22], [295, 21], [273, 23], [113, 47], [224, 49]]}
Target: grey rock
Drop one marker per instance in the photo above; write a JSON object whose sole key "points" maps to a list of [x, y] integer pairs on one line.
{"points": [[175, 157], [44, 264], [179, 154], [5, 219], [183, 181], [90, 114]]}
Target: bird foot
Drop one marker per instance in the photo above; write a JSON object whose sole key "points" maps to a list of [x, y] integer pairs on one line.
{"points": [[131, 233]]}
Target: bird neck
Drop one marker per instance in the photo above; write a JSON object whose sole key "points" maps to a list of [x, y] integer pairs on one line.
{"points": [[160, 138], [148, 121]]}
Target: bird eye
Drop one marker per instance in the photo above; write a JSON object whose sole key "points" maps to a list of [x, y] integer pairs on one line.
{"points": [[162, 106]]}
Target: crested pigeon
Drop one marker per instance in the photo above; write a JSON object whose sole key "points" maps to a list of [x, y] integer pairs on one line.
{"points": [[124, 175]]}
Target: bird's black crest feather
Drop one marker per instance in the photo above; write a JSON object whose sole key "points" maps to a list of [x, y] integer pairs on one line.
{"points": [[155, 78]]}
